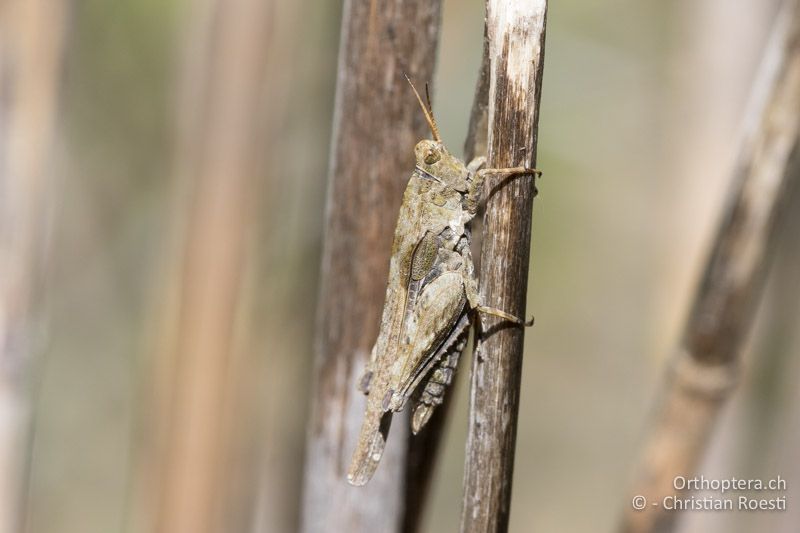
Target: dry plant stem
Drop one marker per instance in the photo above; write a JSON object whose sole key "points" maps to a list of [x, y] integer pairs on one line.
{"points": [[376, 125], [478, 130], [420, 463], [423, 448], [516, 33], [215, 161], [704, 369], [31, 49]]}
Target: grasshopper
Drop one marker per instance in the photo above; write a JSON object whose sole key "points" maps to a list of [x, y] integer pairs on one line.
{"points": [[431, 297]]}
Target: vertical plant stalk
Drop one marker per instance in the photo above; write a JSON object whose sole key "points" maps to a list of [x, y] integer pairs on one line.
{"points": [[424, 447], [478, 129], [705, 366], [376, 125], [216, 159], [516, 35], [31, 60]]}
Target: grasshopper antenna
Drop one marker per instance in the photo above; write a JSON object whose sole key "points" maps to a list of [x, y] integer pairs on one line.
{"points": [[428, 99], [426, 109]]}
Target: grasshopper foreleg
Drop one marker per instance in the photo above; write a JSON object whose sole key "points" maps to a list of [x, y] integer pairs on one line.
{"points": [[475, 189]]}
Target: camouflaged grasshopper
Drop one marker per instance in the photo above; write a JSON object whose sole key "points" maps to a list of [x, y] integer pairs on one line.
{"points": [[431, 296]]}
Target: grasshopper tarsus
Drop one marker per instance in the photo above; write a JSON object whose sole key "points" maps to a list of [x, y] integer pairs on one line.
{"points": [[505, 316]]}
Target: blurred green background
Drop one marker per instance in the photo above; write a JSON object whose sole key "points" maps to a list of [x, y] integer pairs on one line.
{"points": [[641, 108]]}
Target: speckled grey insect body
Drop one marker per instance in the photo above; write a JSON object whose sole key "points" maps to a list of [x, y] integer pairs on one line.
{"points": [[431, 296]]}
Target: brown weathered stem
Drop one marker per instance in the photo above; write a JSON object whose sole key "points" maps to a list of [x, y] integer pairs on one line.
{"points": [[516, 33], [376, 125], [704, 369], [31, 49], [478, 130], [420, 463]]}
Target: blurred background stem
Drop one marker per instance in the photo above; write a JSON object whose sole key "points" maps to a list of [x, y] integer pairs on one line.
{"points": [[31, 64], [706, 365], [199, 369]]}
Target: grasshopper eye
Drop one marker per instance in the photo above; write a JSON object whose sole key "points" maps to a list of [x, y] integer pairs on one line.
{"points": [[432, 156]]}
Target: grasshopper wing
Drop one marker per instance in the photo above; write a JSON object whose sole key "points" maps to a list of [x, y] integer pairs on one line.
{"points": [[427, 327], [425, 297], [438, 309]]}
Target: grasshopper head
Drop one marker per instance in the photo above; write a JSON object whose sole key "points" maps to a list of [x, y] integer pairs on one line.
{"points": [[433, 158]]}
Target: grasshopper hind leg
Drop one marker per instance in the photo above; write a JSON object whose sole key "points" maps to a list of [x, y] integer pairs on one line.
{"points": [[436, 383], [471, 289]]}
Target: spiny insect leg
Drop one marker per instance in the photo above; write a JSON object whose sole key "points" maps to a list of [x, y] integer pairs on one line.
{"points": [[441, 376]]}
